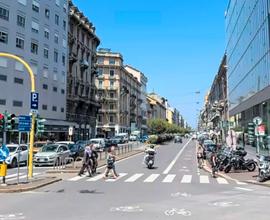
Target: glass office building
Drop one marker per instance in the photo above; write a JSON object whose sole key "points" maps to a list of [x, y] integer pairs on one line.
{"points": [[248, 60]]}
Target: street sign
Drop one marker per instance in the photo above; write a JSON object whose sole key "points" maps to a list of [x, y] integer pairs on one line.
{"points": [[257, 120], [24, 123], [70, 131], [34, 100], [261, 130]]}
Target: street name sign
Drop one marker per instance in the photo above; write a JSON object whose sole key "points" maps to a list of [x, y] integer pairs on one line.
{"points": [[24, 123]]}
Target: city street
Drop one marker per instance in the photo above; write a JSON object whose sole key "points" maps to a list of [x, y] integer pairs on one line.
{"points": [[174, 189]]}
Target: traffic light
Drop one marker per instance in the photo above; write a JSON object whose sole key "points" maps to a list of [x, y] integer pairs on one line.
{"points": [[2, 122], [40, 125], [251, 133], [10, 124]]}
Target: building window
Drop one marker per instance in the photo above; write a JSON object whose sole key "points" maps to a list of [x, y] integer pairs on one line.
{"points": [[63, 59], [46, 33], [19, 42], [111, 83], [34, 66], [20, 21], [64, 43], [35, 27], [23, 2], [56, 38], [100, 60], [35, 6], [65, 8], [64, 25], [111, 61], [55, 56], [57, 2], [46, 53], [55, 75], [18, 80], [45, 72], [100, 83], [47, 13], [54, 108], [44, 107], [2, 102], [62, 110], [19, 66], [111, 106], [100, 72], [3, 62], [55, 89], [63, 78], [56, 19], [111, 119], [111, 95], [112, 73], [4, 14], [3, 77], [99, 118], [62, 91], [17, 103], [45, 86], [3, 37], [34, 48]]}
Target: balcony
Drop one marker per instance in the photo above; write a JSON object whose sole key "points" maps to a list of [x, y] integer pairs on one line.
{"points": [[84, 64], [73, 57]]}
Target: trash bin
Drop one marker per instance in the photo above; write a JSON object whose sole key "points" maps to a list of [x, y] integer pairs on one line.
{"points": [[3, 169]]}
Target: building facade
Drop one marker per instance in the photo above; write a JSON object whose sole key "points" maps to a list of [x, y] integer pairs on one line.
{"points": [[82, 103], [156, 107], [120, 95], [248, 58], [142, 116], [37, 32]]}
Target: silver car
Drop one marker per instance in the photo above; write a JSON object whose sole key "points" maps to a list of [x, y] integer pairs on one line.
{"points": [[51, 154]]}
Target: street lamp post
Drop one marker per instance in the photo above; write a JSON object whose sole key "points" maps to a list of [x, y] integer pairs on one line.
{"points": [[32, 79]]}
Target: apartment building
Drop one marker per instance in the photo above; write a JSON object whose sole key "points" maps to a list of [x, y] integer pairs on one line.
{"points": [[120, 95], [156, 106], [35, 30]]}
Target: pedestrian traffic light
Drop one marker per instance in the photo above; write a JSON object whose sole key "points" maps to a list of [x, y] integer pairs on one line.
{"points": [[10, 124], [2, 122], [40, 125], [251, 133]]}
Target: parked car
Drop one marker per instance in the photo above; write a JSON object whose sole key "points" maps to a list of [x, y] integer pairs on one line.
{"points": [[38, 145], [144, 138], [133, 138], [51, 154], [178, 139], [99, 143], [83, 142], [65, 142], [76, 150], [124, 137], [14, 151]]}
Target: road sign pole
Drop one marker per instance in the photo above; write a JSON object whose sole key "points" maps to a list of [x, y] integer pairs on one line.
{"points": [[32, 134], [19, 159]]}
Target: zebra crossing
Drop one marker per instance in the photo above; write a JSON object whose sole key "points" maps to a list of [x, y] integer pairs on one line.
{"points": [[152, 178], [13, 177]]}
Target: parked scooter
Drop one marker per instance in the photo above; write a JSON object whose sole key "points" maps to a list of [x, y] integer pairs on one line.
{"points": [[264, 168]]}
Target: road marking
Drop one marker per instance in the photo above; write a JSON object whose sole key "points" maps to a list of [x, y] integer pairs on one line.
{"points": [[119, 177], [21, 177], [244, 189], [204, 179], [241, 183], [95, 178], [222, 180], [12, 175], [134, 177], [151, 178], [186, 179], [169, 178], [176, 158], [76, 178]]}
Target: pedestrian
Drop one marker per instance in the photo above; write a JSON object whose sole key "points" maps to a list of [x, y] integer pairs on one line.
{"points": [[200, 155], [86, 161], [111, 163]]}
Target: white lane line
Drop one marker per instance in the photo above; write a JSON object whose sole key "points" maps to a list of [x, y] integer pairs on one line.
{"points": [[204, 179], [76, 178], [186, 179], [134, 177], [176, 158], [151, 178], [119, 177], [169, 178], [244, 189], [95, 178], [222, 181]]}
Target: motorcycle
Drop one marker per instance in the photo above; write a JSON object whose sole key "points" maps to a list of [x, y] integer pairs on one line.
{"points": [[149, 160], [264, 168], [238, 162]]}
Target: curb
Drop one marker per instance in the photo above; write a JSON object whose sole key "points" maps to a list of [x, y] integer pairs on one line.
{"points": [[99, 166], [29, 188]]}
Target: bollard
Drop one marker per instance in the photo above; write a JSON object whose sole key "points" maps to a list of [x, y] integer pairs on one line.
{"points": [[3, 172]]}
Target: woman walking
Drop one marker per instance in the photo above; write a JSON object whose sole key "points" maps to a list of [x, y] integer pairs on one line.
{"points": [[111, 163], [86, 161]]}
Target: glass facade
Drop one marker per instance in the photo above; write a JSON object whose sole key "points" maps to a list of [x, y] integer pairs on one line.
{"points": [[248, 54]]}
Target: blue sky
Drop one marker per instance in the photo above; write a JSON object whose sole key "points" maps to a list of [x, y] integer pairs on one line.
{"points": [[178, 44]]}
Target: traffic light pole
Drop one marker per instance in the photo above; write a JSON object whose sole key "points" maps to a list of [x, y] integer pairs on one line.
{"points": [[32, 133]]}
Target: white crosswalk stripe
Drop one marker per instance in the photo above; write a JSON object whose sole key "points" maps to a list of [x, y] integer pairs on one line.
{"points": [[221, 180], [204, 179], [22, 176], [121, 175], [151, 178], [134, 177], [76, 178], [169, 178], [186, 179], [12, 175], [95, 178]]}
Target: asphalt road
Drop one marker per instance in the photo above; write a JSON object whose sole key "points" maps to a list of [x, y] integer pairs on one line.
{"points": [[174, 189]]}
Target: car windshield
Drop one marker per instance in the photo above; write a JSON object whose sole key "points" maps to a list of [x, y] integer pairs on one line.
{"points": [[50, 148], [118, 137], [94, 141], [12, 149], [73, 147]]}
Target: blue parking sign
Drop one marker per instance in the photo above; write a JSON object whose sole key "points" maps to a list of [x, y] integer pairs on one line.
{"points": [[34, 100]]}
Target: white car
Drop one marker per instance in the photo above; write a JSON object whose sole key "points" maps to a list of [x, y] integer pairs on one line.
{"points": [[65, 142], [98, 143], [16, 153], [133, 138]]}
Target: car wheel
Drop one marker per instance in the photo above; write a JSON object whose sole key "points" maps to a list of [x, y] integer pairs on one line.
{"points": [[14, 163]]}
